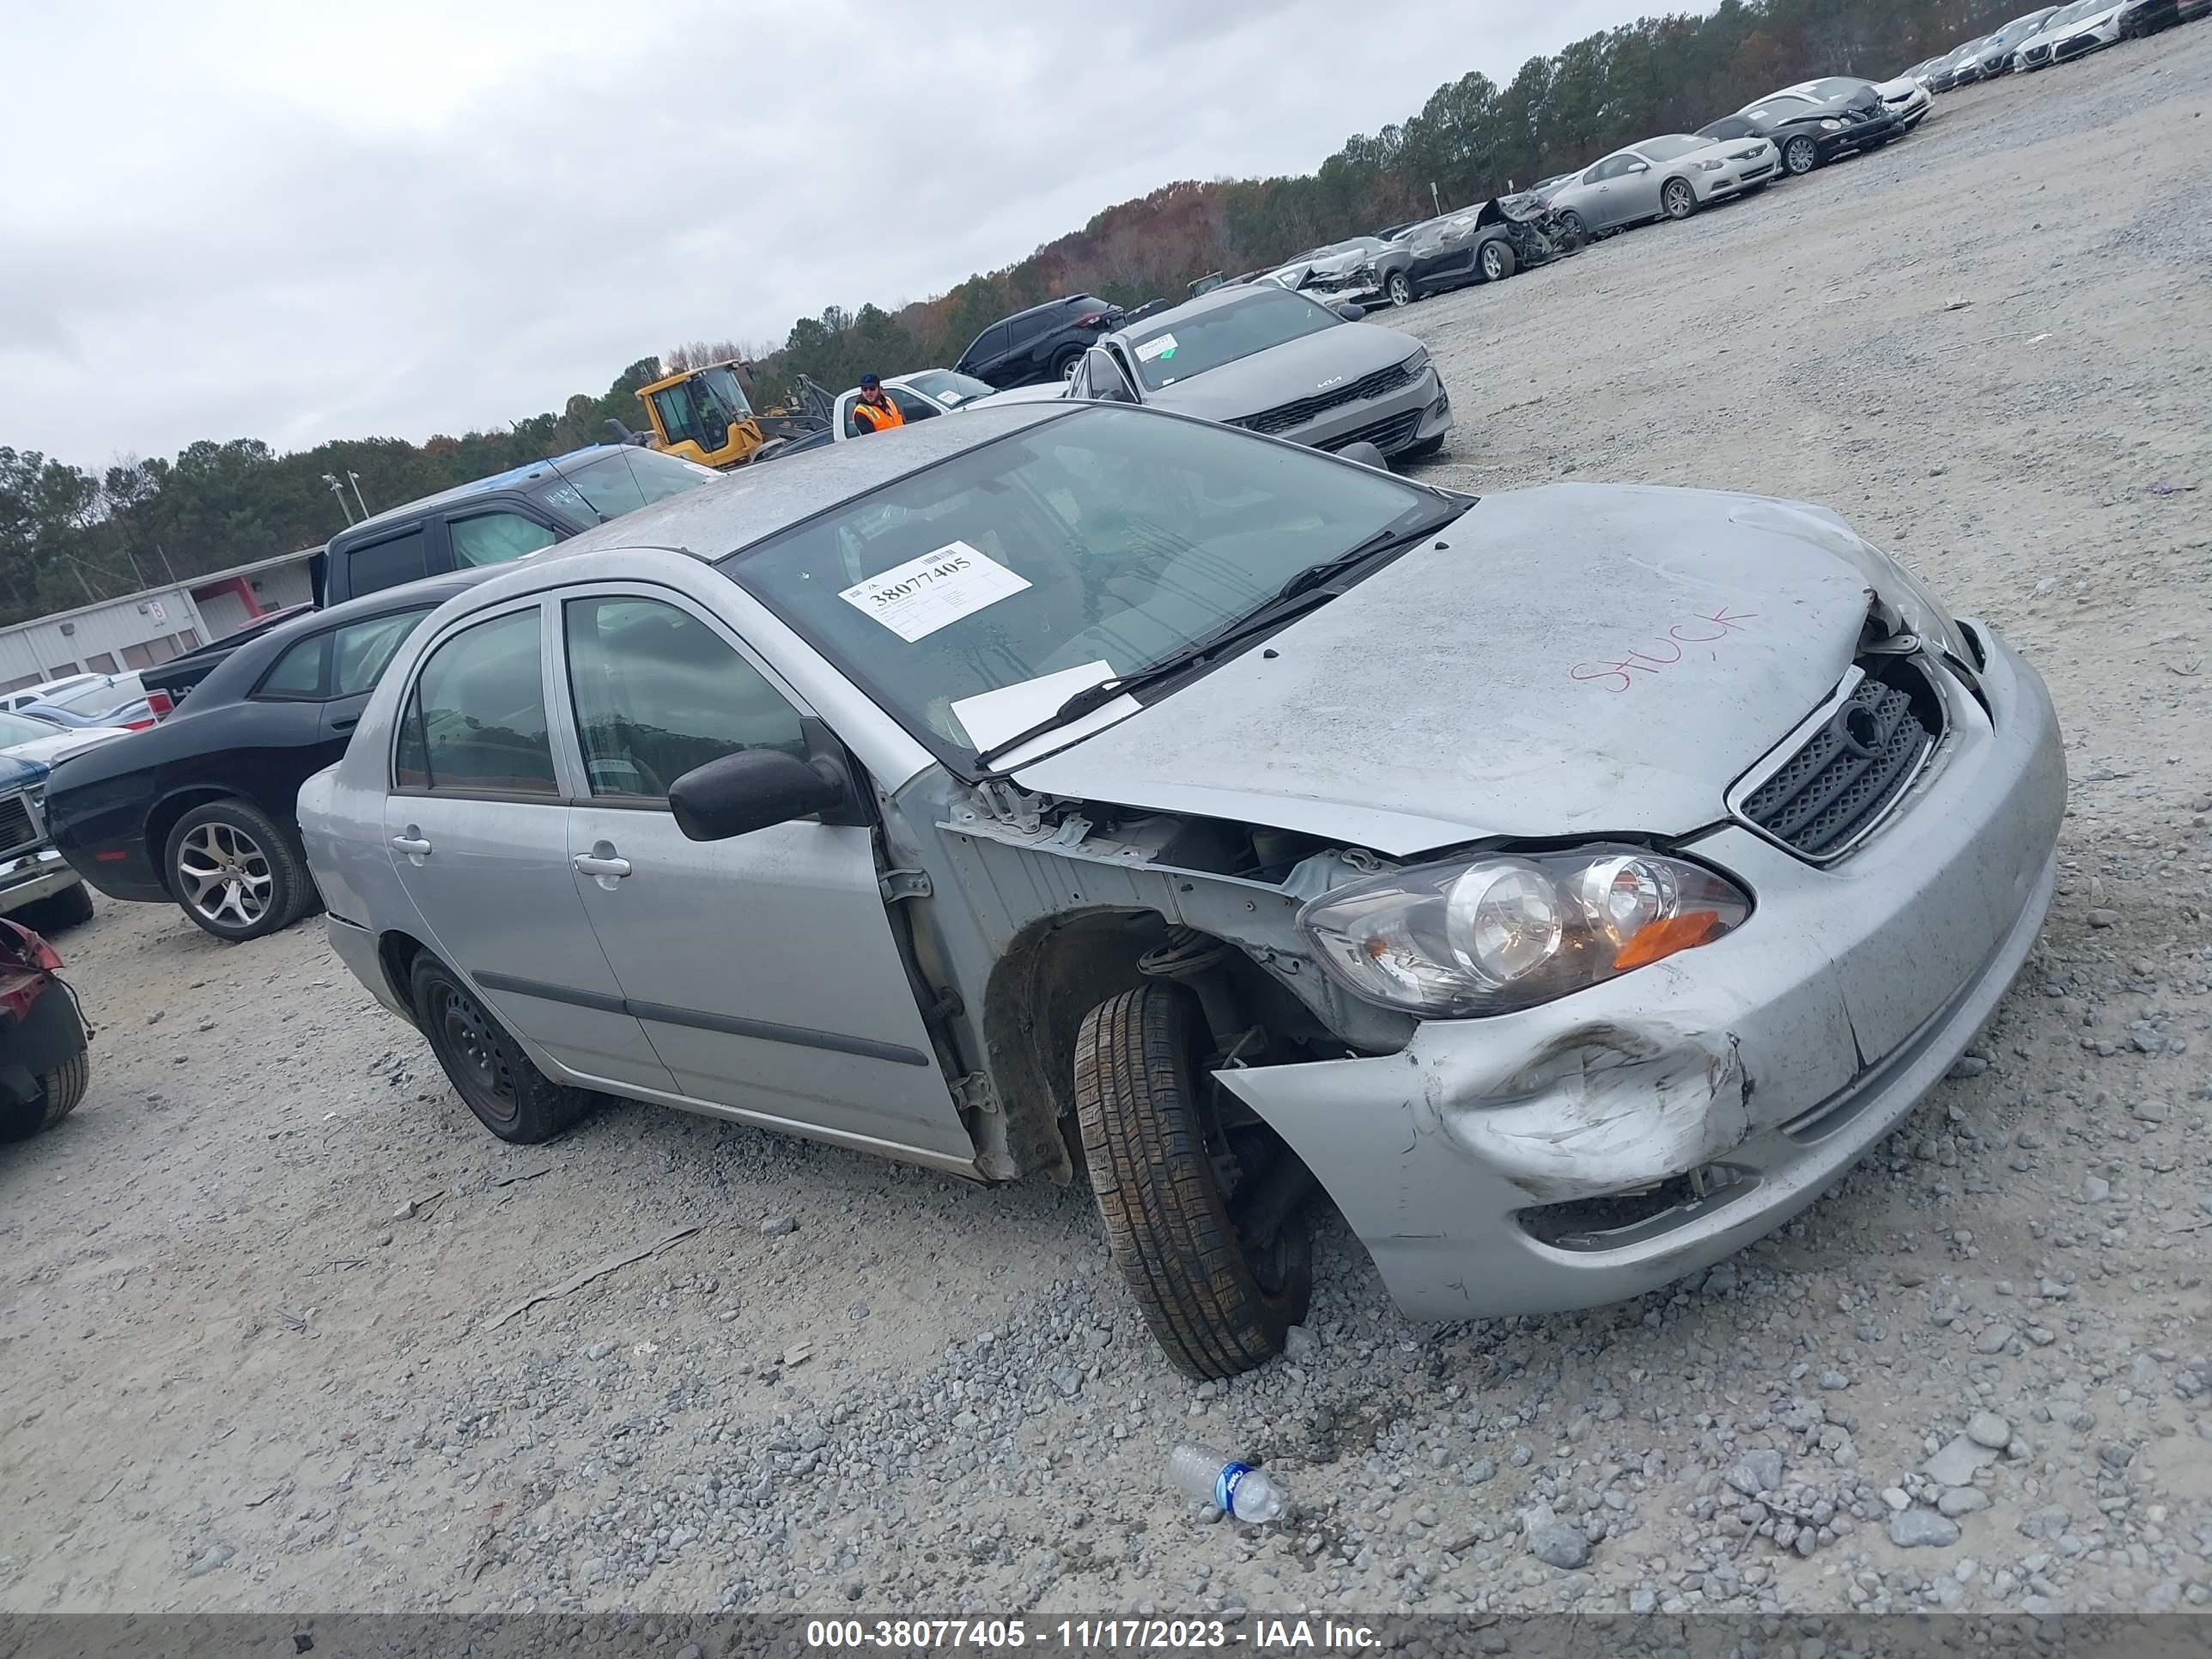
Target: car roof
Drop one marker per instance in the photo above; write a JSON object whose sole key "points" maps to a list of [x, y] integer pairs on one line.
{"points": [[756, 502], [514, 478]]}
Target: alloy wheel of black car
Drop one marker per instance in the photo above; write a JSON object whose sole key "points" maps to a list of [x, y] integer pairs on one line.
{"points": [[1799, 156], [237, 874], [1678, 200], [494, 1078], [1400, 290], [1497, 262]]}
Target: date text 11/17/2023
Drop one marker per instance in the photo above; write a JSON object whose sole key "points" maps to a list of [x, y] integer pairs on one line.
{"points": [[1069, 1635]]}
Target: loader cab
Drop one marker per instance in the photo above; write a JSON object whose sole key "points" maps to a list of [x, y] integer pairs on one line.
{"points": [[702, 414]]}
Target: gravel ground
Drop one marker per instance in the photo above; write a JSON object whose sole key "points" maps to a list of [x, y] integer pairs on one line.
{"points": [[251, 1287]]}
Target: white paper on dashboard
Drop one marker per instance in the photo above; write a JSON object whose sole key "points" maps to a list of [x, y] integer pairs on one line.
{"points": [[991, 717], [916, 598]]}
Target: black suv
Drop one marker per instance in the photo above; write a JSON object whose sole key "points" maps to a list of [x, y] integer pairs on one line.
{"points": [[500, 518], [1041, 343]]}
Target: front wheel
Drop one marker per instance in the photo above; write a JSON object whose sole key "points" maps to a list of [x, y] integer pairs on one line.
{"points": [[1799, 156], [488, 1068], [1216, 1300], [1677, 201], [1400, 290], [1495, 262], [1573, 229], [236, 872]]}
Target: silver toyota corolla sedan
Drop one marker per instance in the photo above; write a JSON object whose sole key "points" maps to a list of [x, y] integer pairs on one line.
{"points": [[1277, 362], [1571, 883]]}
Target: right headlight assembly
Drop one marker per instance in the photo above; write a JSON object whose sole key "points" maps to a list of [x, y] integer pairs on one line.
{"points": [[1501, 932]]}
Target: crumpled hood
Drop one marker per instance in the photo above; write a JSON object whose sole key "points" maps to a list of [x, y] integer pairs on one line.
{"points": [[1280, 374], [1577, 659]]}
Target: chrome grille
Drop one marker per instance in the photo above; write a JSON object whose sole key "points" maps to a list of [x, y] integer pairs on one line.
{"points": [[1285, 417], [18, 829], [1844, 777]]}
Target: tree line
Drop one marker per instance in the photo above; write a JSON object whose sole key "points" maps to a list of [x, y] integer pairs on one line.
{"points": [[68, 535]]}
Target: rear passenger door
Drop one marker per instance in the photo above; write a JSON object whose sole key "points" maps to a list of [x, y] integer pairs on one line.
{"points": [[477, 833]]}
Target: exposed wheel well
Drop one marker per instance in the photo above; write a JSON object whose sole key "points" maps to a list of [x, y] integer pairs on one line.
{"points": [[397, 952], [1060, 969]]}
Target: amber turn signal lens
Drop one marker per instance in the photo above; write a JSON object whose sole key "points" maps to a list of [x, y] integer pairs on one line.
{"points": [[1662, 939]]}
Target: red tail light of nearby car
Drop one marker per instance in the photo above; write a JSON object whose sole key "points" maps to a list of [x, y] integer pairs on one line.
{"points": [[158, 703]]}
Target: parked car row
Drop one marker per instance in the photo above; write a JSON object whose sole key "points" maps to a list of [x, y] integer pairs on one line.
{"points": [[2050, 35]]}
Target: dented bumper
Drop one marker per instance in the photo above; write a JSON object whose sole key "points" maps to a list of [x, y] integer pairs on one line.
{"points": [[1597, 1147]]}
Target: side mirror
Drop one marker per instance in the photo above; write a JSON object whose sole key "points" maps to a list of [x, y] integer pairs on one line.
{"points": [[1366, 454], [751, 790], [1350, 313], [1639, 167]]}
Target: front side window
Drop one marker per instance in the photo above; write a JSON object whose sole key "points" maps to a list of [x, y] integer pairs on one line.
{"points": [[1178, 348], [495, 538], [388, 563], [948, 386], [1094, 543], [679, 417], [658, 692], [476, 722], [361, 651], [621, 481]]}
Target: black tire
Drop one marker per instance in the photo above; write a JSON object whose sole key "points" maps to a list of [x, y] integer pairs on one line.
{"points": [[1799, 155], [1678, 200], [1146, 1148], [1063, 367], [1398, 289], [1572, 223], [240, 859], [1493, 261], [486, 1067], [71, 908], [1422, 451], [59, 1090]]}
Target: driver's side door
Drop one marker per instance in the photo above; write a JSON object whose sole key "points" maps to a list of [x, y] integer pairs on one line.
{"points": [[1636, 192]]}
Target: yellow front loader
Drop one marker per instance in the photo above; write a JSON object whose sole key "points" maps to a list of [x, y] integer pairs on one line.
{"points": [[707, 415]]}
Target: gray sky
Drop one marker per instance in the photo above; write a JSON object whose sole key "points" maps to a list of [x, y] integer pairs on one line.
{"points": [[233, 220]]}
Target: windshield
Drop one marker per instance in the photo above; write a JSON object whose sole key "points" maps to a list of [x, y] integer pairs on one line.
{"points": [[1357, 244], [1191, 344], [99, 699], [947, 387], [723, 383], [618, 482], [21, 728], [1086, 547], [1838, 88], [1729, 126], [1669, 148]]}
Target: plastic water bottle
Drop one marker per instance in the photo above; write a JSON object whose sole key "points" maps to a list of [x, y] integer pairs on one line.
{"points": [[1206, 1476]]}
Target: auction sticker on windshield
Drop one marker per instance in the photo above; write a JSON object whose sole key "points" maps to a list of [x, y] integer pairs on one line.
{"points": [[1160, 345], [916, 598]]}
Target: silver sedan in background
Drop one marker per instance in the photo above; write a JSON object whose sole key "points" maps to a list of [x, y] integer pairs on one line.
{"points": [[1669, 176], [1279, 363]]}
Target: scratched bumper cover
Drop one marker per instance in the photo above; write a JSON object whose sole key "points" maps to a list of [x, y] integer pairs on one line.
{"points": [[1770, 1061]]}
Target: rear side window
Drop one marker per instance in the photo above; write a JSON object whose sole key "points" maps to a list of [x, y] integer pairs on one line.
{"points": [[401, 558], [361, 651], [476, 722], [298, 674], [997, 341]]}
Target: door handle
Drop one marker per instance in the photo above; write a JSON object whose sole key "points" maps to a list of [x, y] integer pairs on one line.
{"points": [[345, 722], [602, 865], [412, 844]]}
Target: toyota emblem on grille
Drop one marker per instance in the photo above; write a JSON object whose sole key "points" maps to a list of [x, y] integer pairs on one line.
{"points": [[1856, 731]]}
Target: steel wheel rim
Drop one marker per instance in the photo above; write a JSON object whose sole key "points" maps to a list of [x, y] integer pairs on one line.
{"points": [[1678, 200], [475, 1048], [227, 878]]}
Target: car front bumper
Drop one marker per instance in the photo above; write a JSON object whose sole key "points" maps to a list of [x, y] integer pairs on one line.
{"points": [[29, 877], [1602, 1146], [1737, 176], [1396, 421], [1861, 135], [2086, 41]]}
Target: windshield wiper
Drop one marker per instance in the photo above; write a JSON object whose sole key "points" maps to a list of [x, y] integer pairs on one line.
{"points": [[1306, 590]]}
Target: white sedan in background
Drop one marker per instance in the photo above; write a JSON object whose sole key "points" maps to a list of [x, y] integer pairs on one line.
{"points": [[23, 738], [2071, 32], [1908, 100]]}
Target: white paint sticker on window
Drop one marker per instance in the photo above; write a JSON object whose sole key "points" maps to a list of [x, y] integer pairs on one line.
{"points": [[949, 398], [916, 598], [1160, 345]]}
